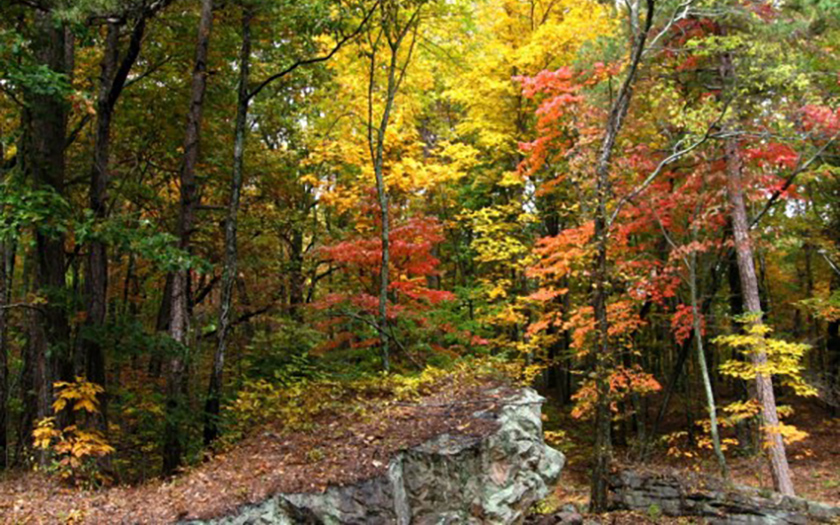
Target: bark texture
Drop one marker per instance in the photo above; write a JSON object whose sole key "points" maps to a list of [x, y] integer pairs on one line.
{"points": [[780, 470], [211, 429], [48, 353], [179, 310]]}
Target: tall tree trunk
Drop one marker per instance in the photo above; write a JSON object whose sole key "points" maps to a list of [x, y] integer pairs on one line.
{"points": [[112, 80], [601, 278], [27, 374], [46, 117], [211, 410], [395, 34], [603, 415], [96, 270], [6, 260], [782, 481], [179, 309], [780, 470], [382, 194]]}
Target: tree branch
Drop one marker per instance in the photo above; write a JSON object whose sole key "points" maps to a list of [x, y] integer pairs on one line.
{"points": [[799, 169], [668, 160], [314, 60]]}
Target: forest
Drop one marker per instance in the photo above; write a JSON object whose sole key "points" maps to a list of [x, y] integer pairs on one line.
{"points": [[219, 217]]}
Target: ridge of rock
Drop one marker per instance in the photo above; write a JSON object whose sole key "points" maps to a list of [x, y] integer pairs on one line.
{"points": [[449, 479]]}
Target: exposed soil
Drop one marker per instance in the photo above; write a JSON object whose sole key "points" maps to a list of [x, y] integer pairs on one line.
{"points": [[339, 450]]}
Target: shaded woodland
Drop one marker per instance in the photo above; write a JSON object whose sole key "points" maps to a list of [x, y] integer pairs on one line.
{"points": [[216, 215]]}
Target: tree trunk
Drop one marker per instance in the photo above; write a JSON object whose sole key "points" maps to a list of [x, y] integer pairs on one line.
{"points": [[179, 309], [211, 428], [46, 116], [603, 416], [111, 82], [782, 481], [6, 259], [704, 371], [96, 271], [601, 279], [382, 194]]}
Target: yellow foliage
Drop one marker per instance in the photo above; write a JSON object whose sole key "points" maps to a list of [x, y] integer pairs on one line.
{"points": [[74, 449], [516, 38], [783, 358], [82, 394], [498, 240], [790, 434], [739, 411]]}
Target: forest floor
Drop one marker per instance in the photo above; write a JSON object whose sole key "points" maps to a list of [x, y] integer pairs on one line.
{"points": [[346, 446]]}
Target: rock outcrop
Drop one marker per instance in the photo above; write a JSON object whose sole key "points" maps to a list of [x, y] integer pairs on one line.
{"points": [[680, 495], [451, 479]]}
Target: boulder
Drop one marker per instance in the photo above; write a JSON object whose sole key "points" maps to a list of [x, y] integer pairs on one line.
{"points": [[450, 479], [678, 494]]}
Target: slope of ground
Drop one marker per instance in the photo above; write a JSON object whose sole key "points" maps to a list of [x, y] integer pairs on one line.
{"points": [[337, 449]]}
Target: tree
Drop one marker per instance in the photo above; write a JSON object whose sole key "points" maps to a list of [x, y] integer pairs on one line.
{"points": [[45, 130], [244, 96], [113, 76], [601, 284], [394, 25], [782, 481], [211, 409], [179, 311]]}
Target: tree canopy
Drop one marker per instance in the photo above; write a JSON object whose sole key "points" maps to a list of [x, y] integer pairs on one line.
{"points": [[206, 206]]}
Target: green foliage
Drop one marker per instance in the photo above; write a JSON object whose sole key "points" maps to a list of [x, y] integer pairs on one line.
{"points": [[19, 72], [283, 354], [25, 207], [139, 236]]}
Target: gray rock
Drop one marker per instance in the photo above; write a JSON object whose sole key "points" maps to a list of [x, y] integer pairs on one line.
{"points": [[709, 498], [451, 479]]}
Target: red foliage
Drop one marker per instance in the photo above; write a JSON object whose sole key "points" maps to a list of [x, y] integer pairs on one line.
{"points": [[560, 92], [773, 154], [410, 249], [411, 263], [821, 119], [682, 323]]}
